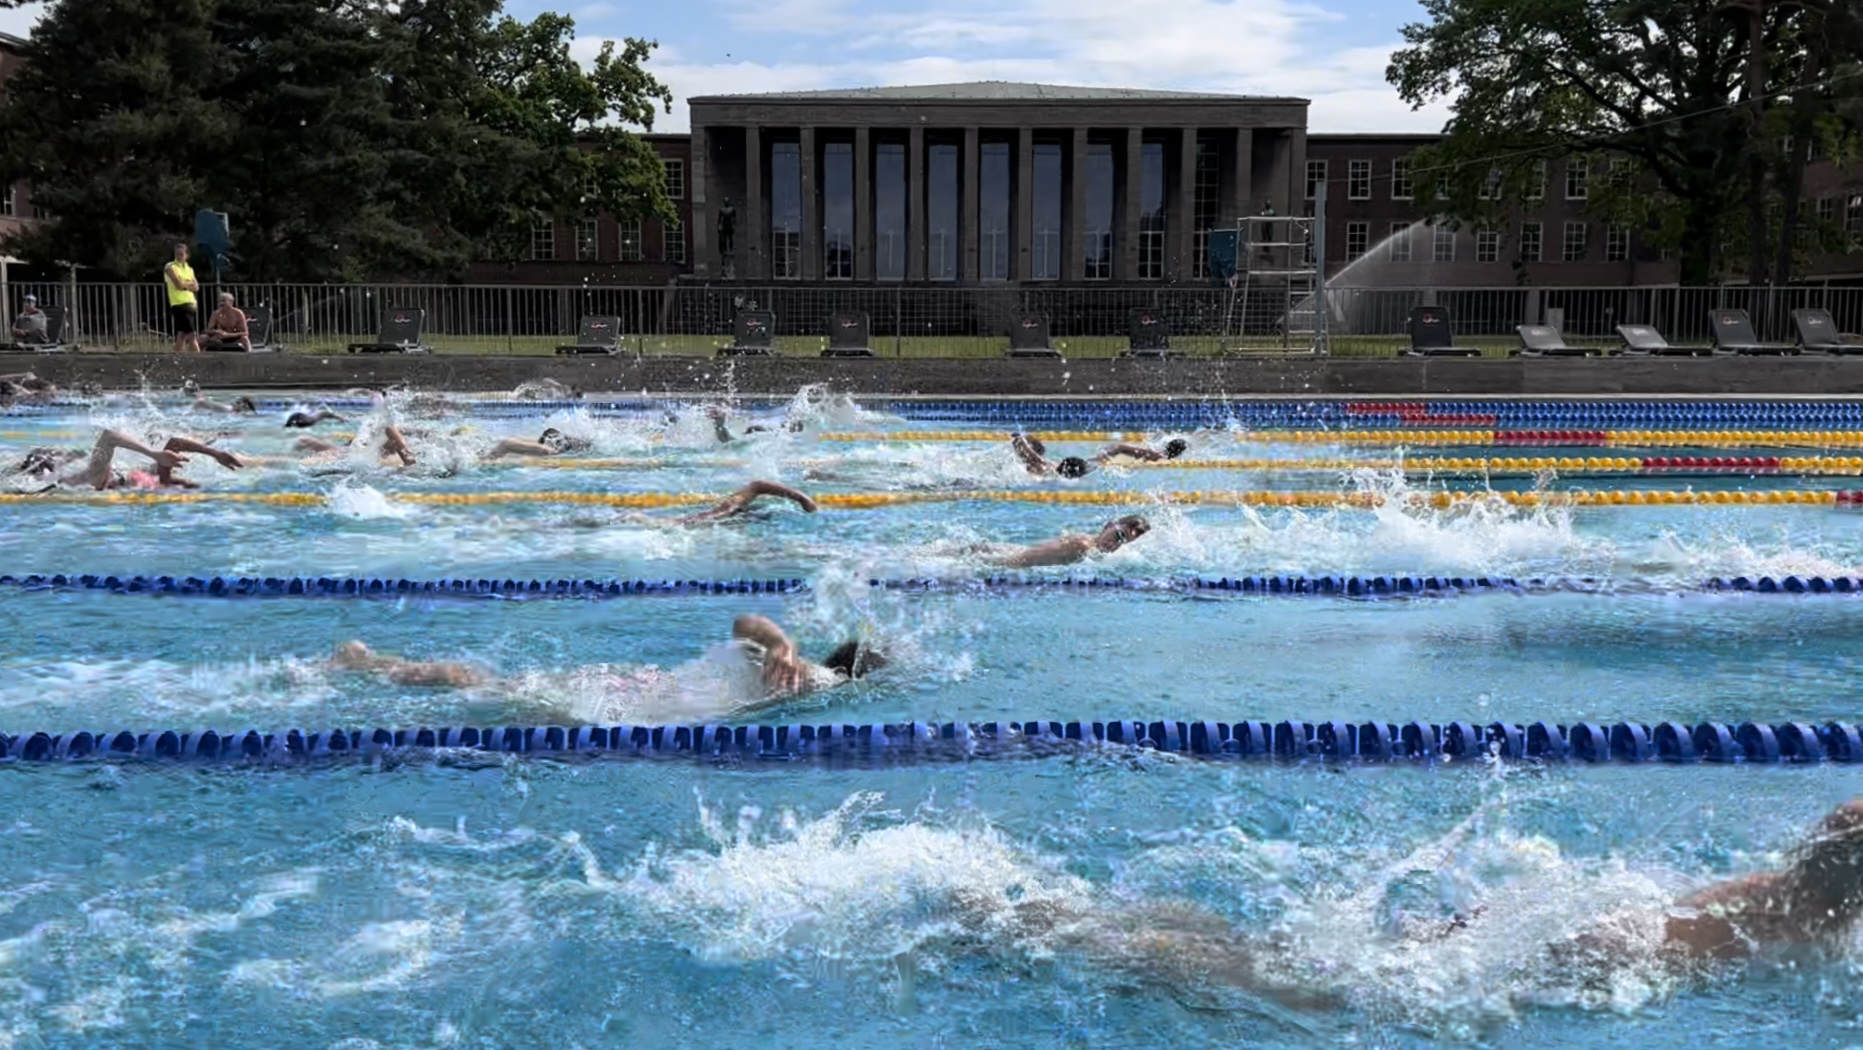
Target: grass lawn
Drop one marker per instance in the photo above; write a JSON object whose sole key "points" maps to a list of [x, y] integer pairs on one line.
{"points": [[1352, 346]]}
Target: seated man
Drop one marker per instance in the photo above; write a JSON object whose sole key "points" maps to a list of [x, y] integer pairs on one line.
{"points": [[99, 473], [786, 674], [551, 442], [1072, 548], [355, 656], [227, 328], [29, 326]]}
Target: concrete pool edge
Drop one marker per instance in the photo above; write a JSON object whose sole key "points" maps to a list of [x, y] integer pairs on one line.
{"points": [[956, 377]]}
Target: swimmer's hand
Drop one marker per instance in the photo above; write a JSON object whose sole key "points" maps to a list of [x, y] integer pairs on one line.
{"points": [[806, 504], [783, 677], [166, 460], [226, 459]]}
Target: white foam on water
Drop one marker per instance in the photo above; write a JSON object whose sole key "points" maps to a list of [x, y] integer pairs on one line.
{"points": [[362, 502]]}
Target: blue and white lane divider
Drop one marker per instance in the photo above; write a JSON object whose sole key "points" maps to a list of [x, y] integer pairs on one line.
{"points": [[1754, 743], [589, 589]]}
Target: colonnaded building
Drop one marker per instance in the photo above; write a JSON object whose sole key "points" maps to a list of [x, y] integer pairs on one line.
{"points": [[1033, 184]]}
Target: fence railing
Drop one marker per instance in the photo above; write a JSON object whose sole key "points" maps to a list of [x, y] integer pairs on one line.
{"points": [[921, 320]]}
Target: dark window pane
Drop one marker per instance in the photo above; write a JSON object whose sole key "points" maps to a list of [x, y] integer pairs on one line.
{"points": [[941, 220], [785, 209], [1045, 231], [838, 210], [889, 209], [993, 225], [1151, 211], [1099, 224]]}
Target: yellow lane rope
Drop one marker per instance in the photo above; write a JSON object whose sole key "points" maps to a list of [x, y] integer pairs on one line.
{"points": [[1831, 466], [1593, 438], [867, 501]]}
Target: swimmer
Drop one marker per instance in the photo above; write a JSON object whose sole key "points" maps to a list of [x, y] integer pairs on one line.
{"points": [[26, 386], [355, 656], [786, 674], [551, 442], [98, 471], [1068, 549], [1814, 902], [392, 444], [545, 390], [239, 406], [741, 501], [1172, 449], [719, 416], [307, 420], [1034, 456]]}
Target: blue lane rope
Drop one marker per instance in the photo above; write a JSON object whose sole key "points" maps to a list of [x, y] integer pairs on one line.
{"points": [[513, 589], [1755, 743]]}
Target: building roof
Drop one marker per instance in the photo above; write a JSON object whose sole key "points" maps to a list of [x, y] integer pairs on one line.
{"points": [[988, 91], [11, 42]]}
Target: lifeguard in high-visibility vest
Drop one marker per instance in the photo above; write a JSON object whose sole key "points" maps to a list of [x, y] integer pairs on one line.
{"points": [[183, 306]]}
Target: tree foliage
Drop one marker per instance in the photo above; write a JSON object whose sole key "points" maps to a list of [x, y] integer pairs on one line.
{"points": [[1664, 85], [345, 138]]}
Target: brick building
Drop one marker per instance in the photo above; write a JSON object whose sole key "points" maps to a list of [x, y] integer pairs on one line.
{"points": [[16, 200]]}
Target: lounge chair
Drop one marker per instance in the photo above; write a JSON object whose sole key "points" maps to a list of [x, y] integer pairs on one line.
{"points": [[1146, 335], [598, 334], [54, 336], [1028, 336], [1431, 334], [849, 335], [1732, 332], [1539, 340], [258, 333], [1817, 333], [756, 335], [401, 334], [1642, 340]]}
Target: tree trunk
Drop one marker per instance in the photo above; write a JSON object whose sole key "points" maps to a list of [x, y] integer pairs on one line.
{"points": [[1700, 261], [1756, 145], [1805, 109]]}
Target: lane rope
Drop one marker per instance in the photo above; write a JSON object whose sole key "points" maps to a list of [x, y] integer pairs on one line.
{"points": [[1470, 743], [1523, 438]]}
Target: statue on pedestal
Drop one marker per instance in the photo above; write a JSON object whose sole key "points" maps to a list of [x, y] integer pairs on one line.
{"points": [[727, 236]]}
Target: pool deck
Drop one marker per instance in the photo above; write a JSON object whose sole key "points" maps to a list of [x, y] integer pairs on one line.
{"points": [[958, 377]]}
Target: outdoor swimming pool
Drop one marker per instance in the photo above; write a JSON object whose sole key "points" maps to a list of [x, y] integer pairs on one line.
{"points": [[487, 900]]}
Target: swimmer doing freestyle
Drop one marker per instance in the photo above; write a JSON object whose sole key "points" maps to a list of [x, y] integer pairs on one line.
{"points": [[54, 467], [1034, 456]]}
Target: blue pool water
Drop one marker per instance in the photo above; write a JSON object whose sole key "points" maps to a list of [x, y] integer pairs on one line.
{"points": [[482, 901]]}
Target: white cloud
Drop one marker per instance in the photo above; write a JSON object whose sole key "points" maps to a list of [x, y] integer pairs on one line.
{"points": [[1261, 47], [19, 21]]}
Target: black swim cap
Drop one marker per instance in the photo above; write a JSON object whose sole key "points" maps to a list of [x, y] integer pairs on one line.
{"points": [[1072, 467], [300, 419], [1175, 448], [853, 659]]}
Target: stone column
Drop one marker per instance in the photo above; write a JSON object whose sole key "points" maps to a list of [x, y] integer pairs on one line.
{"points": [[968, 168], [1127, 250], [915, 204], [811, 210], [1297, 173], [1181, 255], [753, 230], [1280, 181], [1238, 179], [1074, 245], [698, 190], [1024, 224], [863, 205]]}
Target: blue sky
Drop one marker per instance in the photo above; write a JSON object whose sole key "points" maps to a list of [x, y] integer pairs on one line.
{"points": [[1331, 51]]}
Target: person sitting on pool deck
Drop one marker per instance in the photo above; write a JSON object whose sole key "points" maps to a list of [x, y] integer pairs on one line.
{"points": [[439, 674], [786, 674], [99, 473], [1034, 456], [551, 442], [1069, 549]]}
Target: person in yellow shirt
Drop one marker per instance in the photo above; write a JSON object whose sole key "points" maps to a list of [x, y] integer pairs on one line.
{"points": [[183, 308]]}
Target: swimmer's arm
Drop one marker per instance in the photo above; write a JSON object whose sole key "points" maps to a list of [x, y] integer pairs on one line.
{"points": [[220, 456], [1063, 551], [1030, 454], [740, 501], [518, 447], [1138, 452], [437, 674], [763, 632]]}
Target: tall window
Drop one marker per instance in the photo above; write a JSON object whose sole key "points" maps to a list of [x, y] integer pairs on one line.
{"points": [[1151, 211], [588, 241], [1536, 184], [1400, 180], [1358, 180], [7, 199], [542, 239], [1491, 186], [1853, 217], [1827, 210], [889, 211], [1099, 246], [1316, 174], [1573, 249], [994, 233], [1531, 234], [1616, 243], [1577, 179], [673, 240], [1209, 202], [838, 211], [786, 210], [1358, 240], [630, 241], [1045, 225], [1487, 244], [942, 208], [1400, 242], [675, 179], [1442, 244]]}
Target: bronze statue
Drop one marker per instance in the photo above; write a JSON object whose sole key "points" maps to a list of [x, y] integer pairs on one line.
{"points": [[727, 229]]}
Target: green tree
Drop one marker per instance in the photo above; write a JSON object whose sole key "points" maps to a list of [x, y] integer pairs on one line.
{"points": [[346, 138], [1544, 80]]}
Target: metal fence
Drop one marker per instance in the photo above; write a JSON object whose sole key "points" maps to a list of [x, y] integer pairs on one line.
{"points": [[922, 320]]}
